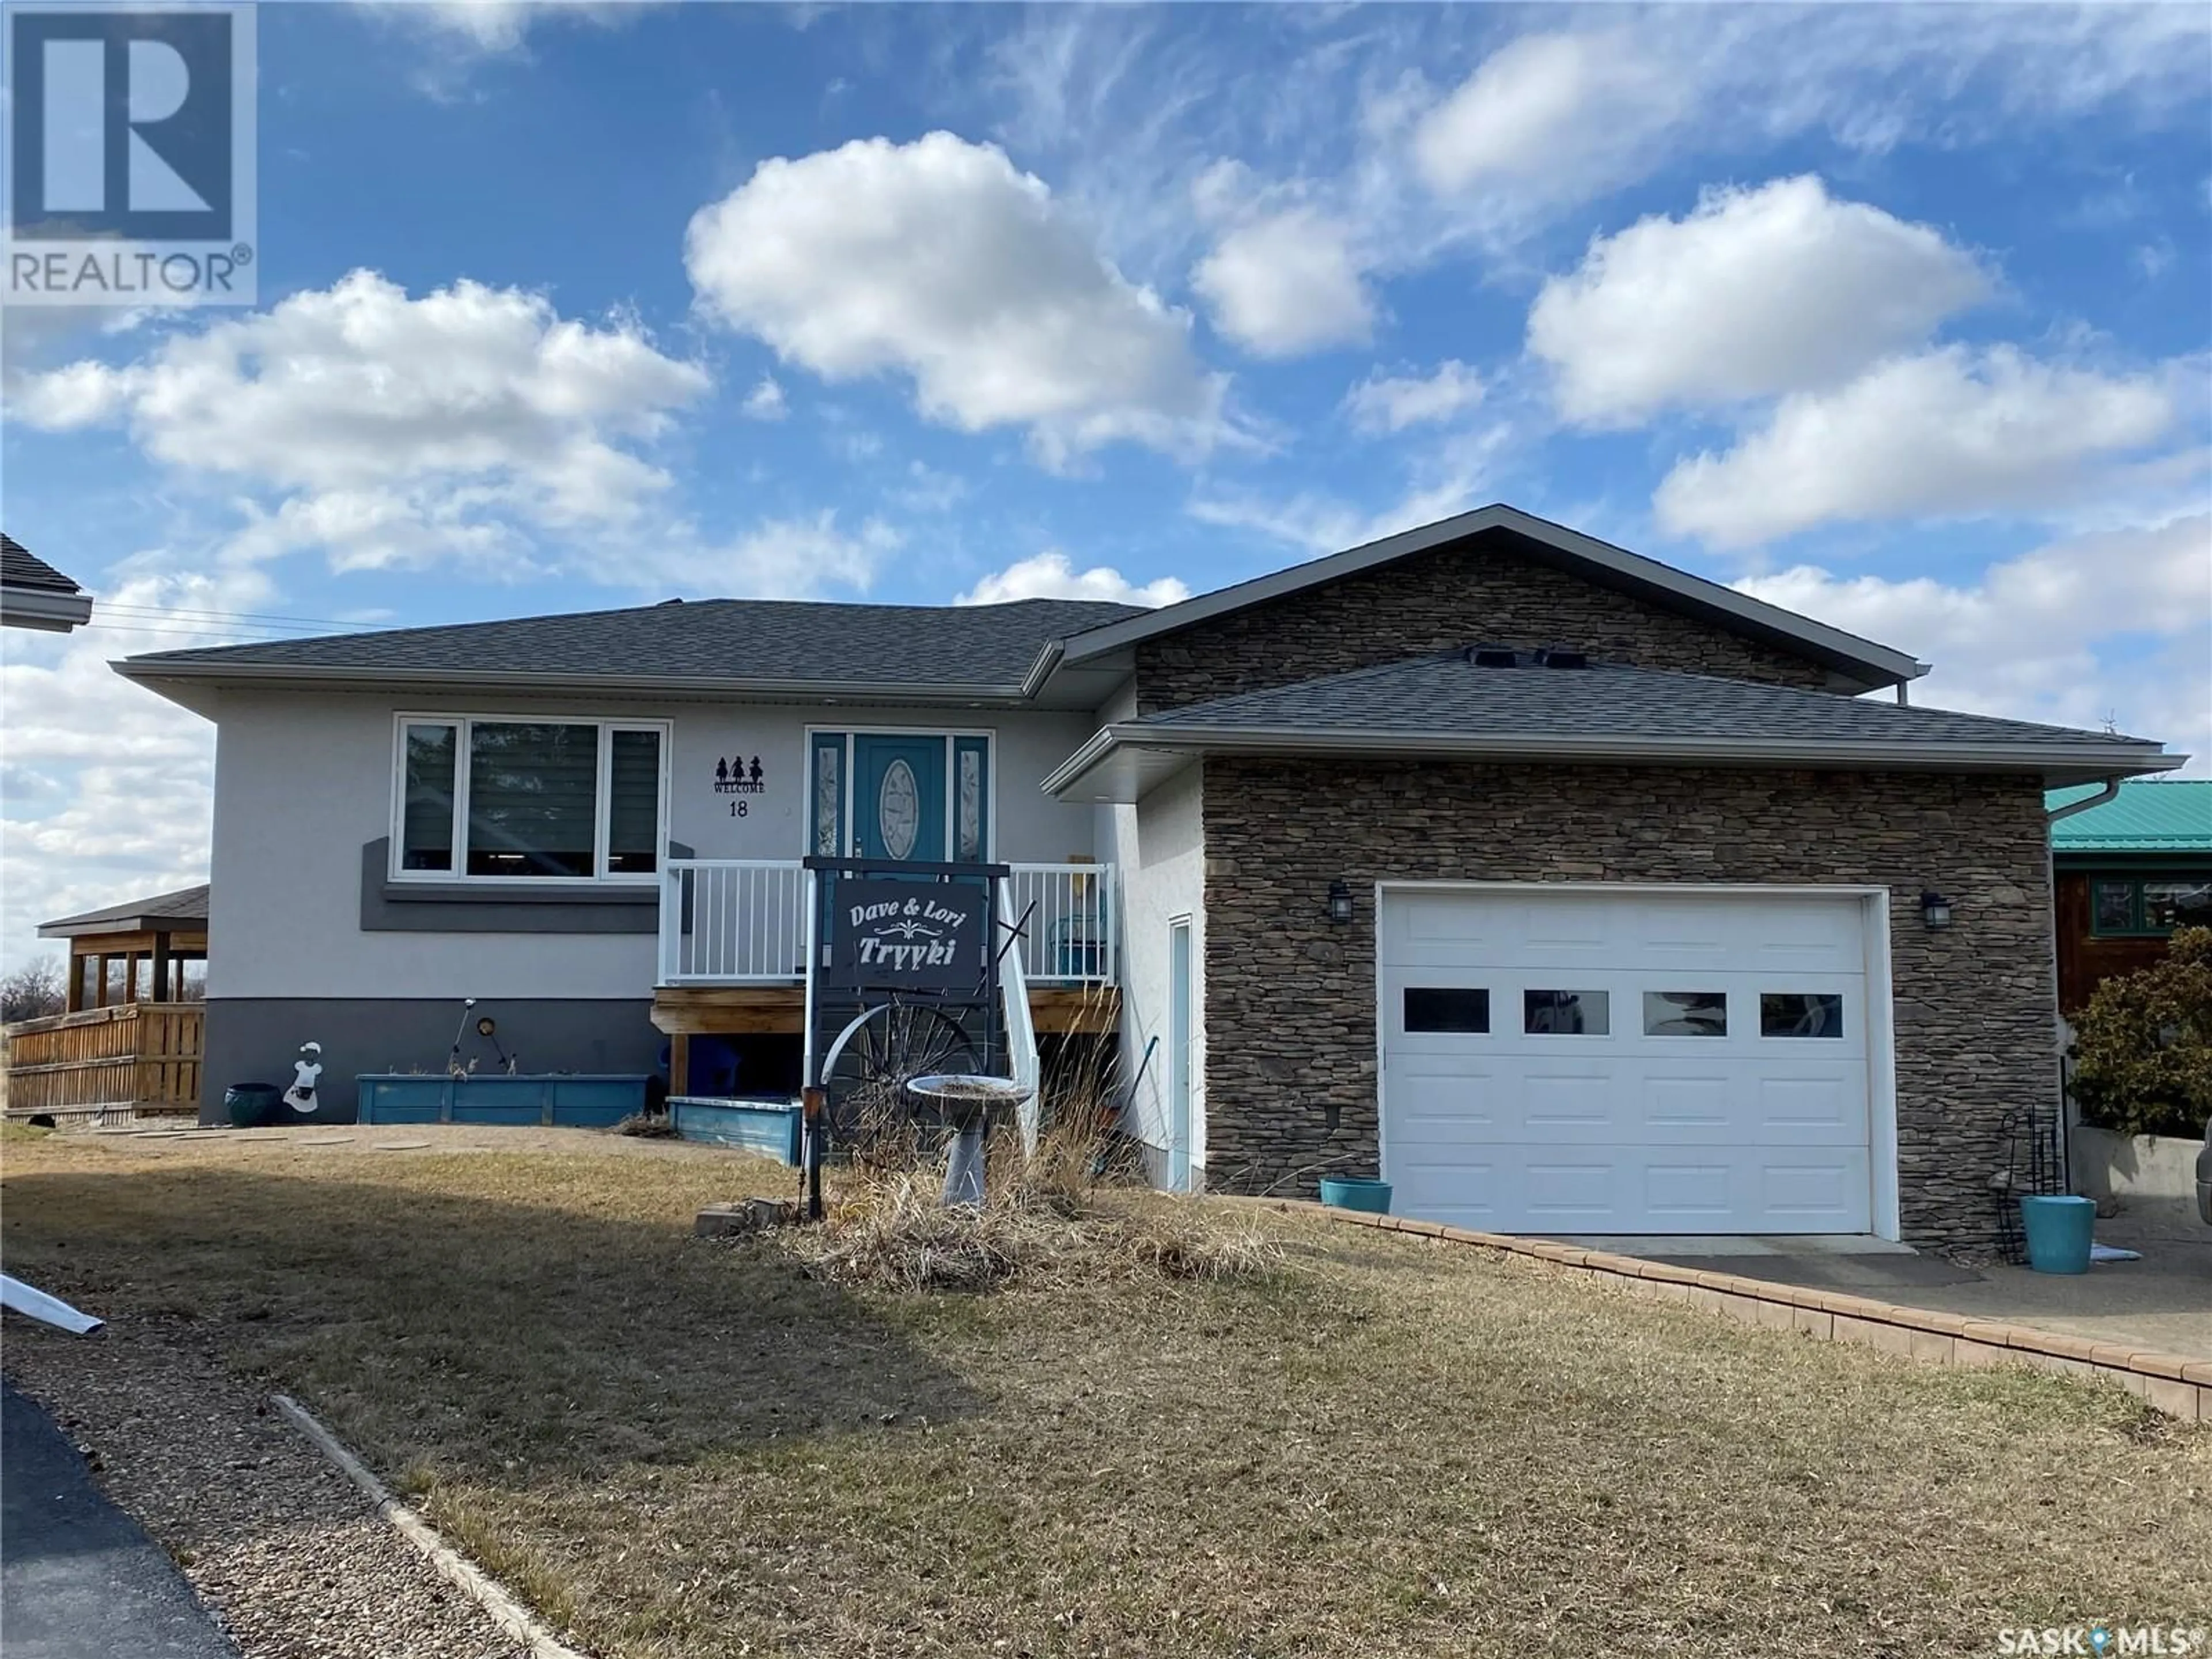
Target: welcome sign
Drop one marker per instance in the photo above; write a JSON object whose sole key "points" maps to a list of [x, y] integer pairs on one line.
{"points": [[908, 935]]}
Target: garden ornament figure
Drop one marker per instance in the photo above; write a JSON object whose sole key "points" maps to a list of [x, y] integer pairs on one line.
{"points": [[301, 1097]]}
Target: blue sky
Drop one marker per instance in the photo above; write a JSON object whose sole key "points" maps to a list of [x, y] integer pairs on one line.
{"points": [[1902, 316]]}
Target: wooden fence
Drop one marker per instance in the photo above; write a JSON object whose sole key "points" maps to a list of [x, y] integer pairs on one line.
{"points": [[142, 1057]]}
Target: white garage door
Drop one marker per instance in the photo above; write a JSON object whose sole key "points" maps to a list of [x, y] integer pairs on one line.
{"points": [[1596, 1061]]}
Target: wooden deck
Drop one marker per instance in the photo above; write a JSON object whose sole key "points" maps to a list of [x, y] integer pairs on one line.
{"points": [[141, 1057], [762, 1010]]}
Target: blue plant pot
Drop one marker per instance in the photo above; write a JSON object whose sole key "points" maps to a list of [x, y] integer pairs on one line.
{"points": [[2058, 1230], [1347, 1193]]}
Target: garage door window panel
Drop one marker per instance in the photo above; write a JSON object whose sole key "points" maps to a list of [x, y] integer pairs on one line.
{"points": [[1686, 1013], [1566, 1013], [1446, 1009], [1799, 1014]]}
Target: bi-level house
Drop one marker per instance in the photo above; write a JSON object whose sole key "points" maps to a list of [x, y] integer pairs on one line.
{"points": [[1567, 890]]}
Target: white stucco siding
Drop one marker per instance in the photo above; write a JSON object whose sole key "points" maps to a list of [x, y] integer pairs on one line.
{"points": [[1028, 826], [1161, 844], [303, 781]]}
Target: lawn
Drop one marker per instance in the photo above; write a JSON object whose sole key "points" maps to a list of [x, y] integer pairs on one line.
{"points": [[1384, 1446]]}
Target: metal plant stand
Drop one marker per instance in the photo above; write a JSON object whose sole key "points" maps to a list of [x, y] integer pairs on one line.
{"points": [[2034, 1168]]}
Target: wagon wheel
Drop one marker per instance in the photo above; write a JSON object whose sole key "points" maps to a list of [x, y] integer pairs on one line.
{"points": [[871, 1114]]}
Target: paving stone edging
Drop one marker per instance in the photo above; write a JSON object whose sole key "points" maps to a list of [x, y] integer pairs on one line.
{"points": [[2170, 1382]]}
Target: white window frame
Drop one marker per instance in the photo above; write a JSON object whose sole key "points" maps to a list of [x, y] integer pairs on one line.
{"points": [[458, 874]]}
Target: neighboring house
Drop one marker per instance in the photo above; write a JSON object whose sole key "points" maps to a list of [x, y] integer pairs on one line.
{"points": [[2127, 872], [1626, 921], [34, 594]]}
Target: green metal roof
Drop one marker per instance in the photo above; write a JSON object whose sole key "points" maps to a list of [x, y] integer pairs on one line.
{"points": [[2171, 815]]}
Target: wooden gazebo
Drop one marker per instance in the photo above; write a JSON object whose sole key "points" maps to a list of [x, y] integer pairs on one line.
{"points": [[158, 935], [124, 1050]]}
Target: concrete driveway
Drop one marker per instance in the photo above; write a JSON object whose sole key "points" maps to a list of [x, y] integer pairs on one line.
{"points": [[2163, 1301], [78, 1579]]}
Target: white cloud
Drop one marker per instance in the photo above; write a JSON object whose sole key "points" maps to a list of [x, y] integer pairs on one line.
{"points": [[1382, 404], [926, 490], [1561, 113], [1553, 118], [395, 429], [1286, 283], [2105, 626], [940, 261], [459, 34], [765, 402], [1946, 434], [1755, 293], [1052, 575]]}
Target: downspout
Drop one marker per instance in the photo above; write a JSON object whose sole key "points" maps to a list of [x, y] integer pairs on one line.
{"points": [[2110, 792]]}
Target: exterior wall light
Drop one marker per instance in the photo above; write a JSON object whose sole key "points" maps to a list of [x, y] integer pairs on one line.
{"points": [[1340, 903], [1936, 911]]}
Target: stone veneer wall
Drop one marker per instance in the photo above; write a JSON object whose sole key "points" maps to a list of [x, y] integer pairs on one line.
{"points": [[1290, 999], [1480, 591]]}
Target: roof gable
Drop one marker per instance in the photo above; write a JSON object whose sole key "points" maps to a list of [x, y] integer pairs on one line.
{"points": [[1862, 662]]}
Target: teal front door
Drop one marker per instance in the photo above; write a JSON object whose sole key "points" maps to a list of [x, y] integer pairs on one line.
{"points": [[898, 797]]}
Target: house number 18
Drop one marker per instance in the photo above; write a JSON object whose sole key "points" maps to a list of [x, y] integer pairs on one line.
{"points": [[738, 809]]}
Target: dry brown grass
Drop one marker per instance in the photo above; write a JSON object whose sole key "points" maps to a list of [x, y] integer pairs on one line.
{"points": [[891, 1231], [1388, 1448]]}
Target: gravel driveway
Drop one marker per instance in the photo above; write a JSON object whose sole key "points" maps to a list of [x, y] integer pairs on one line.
{"points": [[282, 1546]]}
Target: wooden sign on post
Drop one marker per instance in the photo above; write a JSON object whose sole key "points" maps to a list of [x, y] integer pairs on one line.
{"points": [[908, 935]]}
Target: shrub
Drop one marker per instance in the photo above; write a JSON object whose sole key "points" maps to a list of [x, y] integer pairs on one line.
{"points": [[2143, 1047]]}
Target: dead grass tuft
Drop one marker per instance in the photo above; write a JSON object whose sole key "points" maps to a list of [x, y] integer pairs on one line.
{"points": [[1045, 1220], [647, 1126]]}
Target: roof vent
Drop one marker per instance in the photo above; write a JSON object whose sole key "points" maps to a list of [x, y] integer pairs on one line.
{"points": [[1559, 656], [669, 602], [1493, 656]]}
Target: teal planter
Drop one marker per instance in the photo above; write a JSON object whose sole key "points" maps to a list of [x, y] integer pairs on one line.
{"points": [[768, 1126], [2058, 1233], [560, 1099], [1345, 1193]]}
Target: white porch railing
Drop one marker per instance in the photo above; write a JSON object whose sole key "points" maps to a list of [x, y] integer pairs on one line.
{"points": [[1070, 937], [744, 921], [1021, 1024], [733, 922]]}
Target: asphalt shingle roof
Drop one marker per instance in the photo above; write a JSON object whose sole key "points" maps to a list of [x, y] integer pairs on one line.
{"points": [[21, 568], [186, 904], [778, 640], [2162, 815], [1450, 696]]}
